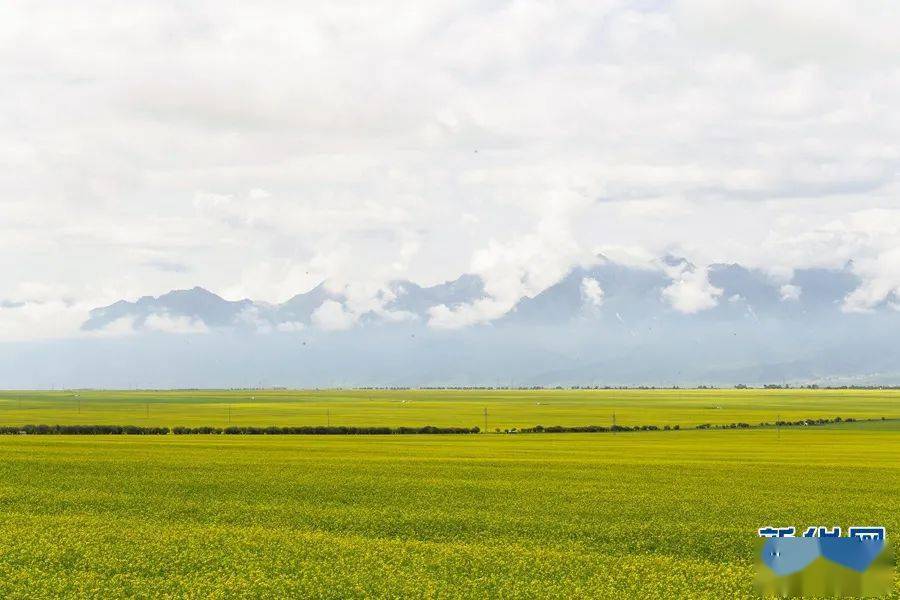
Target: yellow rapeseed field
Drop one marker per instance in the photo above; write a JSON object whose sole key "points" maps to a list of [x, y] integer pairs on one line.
{"points": [[647, 515], [454, 408]]}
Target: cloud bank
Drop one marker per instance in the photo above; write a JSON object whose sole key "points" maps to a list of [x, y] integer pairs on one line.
{"points": [[258, 149]]}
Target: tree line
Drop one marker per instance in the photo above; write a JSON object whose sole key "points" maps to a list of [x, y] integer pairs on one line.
{"points": [[232, 430], [347, 430]]}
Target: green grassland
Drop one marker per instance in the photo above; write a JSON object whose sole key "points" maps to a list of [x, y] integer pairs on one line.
{"points": [[462, 408], [648, 515]]}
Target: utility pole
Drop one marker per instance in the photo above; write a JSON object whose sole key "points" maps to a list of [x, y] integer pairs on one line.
{"points": [[229, 414], [614, 424], [485, 419], [778, 426]]}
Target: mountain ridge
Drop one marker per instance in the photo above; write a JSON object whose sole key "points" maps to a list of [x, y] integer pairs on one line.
{"points": [[604, 324], [605, 289]]}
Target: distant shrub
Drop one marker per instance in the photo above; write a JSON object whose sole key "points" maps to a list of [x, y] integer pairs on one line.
{"points": [[807, 422], [196, 430], [563, 429], [322, 430], [84, 430], [347, 430], [231, 430]]}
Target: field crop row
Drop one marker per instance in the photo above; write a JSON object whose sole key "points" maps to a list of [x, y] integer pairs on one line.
{"points": [[487, 409], [655, 515]]}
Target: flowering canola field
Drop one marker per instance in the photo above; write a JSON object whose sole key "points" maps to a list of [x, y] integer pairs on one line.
{"points": [[646, 515], [444, 408]]}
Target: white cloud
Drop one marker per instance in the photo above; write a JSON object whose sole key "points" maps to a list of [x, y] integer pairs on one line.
{"points": [[439, 138], [398, 316], [117, 327], [592, 292], [480, 311], [250, 317], [174, 324], [41, 320], [881, 282], [523, 266], [790, 293], [333, 316], [690, 291], [822, 32]]}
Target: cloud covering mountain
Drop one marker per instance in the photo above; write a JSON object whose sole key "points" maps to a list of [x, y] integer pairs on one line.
{"points": [[604, 324], [259, 149]]}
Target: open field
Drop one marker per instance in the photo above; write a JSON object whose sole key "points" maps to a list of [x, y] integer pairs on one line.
{"points": [[652, 515], [394, 408], [648, 514]]}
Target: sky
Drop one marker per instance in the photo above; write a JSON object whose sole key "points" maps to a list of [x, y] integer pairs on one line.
{"points": [[257, 149]]}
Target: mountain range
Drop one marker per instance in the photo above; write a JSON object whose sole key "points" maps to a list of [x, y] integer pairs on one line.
{"points": [[606, 324]]}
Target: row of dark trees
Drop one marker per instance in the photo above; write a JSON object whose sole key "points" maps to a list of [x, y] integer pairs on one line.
{"points": [[342, 430], [82, 430], [593, 428], [322, 430], [614, 428], [799, 423], [811, 422], [233, 430]]}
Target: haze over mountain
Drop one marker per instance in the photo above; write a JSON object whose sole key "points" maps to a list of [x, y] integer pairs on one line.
{"points": [[606, 324], [274, 192]]}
